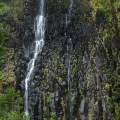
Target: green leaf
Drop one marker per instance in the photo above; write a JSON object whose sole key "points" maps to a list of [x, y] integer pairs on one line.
{"points": [[3, 8]]}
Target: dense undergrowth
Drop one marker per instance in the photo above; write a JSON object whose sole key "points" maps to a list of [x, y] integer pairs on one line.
{"points": [[10, 105]]}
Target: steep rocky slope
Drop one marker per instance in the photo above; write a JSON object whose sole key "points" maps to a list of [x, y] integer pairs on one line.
{"points": [[93, 40]]}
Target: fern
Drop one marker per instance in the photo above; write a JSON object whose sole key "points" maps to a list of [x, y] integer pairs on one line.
{"points": [[3, 8]]}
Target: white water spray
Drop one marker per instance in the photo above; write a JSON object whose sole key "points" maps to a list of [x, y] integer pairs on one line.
{"points": [[39, 28]]}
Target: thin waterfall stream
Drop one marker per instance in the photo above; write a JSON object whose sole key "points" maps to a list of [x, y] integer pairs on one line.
{"points": [[37, 45], [69, 51], [69, 42]]}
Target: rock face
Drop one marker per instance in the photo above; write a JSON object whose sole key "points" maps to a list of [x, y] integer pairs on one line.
{"points": [[25, 32], [92, 63]]}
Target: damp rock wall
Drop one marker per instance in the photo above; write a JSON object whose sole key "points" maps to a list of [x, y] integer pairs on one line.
{"points": [[94, 63]]}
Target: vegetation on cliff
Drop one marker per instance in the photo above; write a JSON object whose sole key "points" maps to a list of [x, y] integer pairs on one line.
{"points": [[11, 103], [95, 60]]}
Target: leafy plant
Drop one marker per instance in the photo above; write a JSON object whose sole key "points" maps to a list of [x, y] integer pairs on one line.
{"points": [[10, 105], [48, 99], [3, 8]]}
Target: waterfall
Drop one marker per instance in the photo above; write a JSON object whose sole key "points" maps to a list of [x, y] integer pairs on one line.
{"points": [[39, 29], [69, 51], [69, 42]]}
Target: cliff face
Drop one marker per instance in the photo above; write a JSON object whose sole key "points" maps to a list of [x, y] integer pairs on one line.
{"points": [[87, 47], [8, 27], [94, 59]]}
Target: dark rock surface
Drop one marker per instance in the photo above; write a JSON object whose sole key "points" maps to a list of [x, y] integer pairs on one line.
{"points": [[90, 60]]}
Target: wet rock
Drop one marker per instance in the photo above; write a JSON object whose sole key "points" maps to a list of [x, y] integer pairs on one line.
{"points": [[82, 106], [22, 84], [100, 17], [77, 39], [21, 16]]}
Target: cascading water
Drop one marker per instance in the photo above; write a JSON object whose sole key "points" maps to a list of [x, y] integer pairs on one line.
{"points": [[37, 45], [69, 50], [69, 42]]}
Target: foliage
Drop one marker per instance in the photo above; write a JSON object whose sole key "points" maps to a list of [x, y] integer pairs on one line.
{"points": [[3, 9], [10, 105], [10, 101]]}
